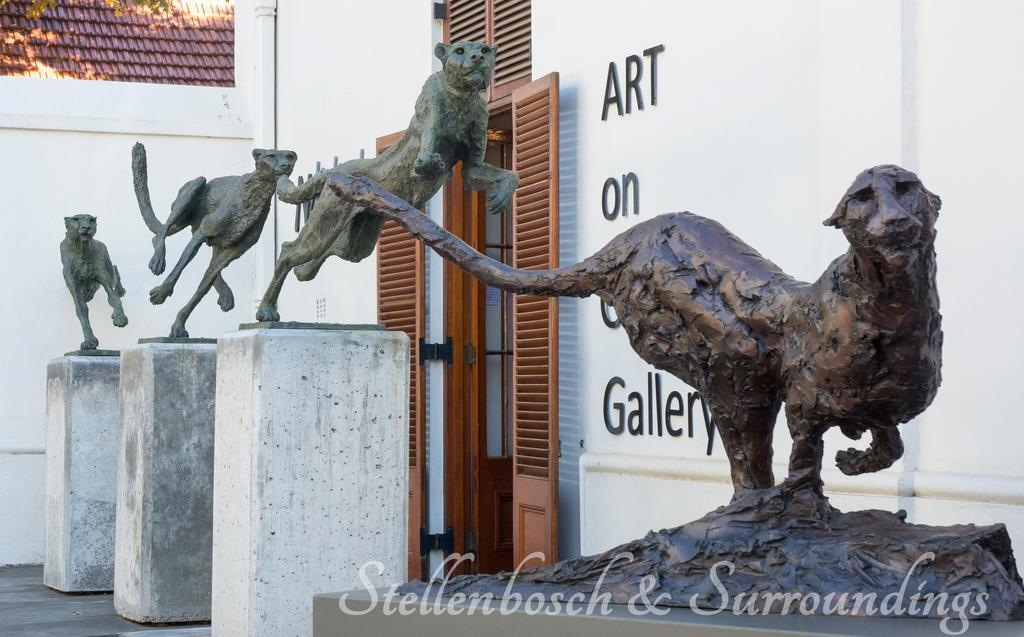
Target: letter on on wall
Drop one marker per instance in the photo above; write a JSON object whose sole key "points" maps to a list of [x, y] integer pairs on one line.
{"points": [[535, 322]]}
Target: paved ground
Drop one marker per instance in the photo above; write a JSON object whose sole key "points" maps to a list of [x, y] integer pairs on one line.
{"points": [[29, 609]]}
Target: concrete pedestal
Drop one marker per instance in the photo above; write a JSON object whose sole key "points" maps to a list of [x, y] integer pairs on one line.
{"points": [[311, 472], [81, 443], [361, 612], [165, 482]]}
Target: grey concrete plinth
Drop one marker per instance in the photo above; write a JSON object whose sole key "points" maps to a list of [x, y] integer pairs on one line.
{"points": [[311, 472], [81, 447], [362, 612], [165, 482]]}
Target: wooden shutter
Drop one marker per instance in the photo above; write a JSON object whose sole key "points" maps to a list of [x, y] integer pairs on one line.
{"points": [[511, 32], [505, 23], [467, 20], [400, 306], [535, 322]]}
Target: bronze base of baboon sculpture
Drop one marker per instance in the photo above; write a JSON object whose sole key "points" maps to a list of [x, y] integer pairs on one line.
{"points": [[87, 268], [227, 213], [782, 541], [448, 126], [859, 349]]}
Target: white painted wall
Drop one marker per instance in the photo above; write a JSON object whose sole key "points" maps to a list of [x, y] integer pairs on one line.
{"points": [[67, 148], [766, 113], [347, 73]]}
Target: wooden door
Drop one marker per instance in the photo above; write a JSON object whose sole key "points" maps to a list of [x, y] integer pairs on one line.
{"points": [[461, 388], [535, 322], [492, 449], [478, 384], [400, 306]]}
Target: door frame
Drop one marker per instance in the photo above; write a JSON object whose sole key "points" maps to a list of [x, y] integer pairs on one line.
{"points": [[465, 408], [533, 498], [461, 378]]}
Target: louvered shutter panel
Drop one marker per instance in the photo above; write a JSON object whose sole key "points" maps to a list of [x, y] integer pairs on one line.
{"points": [[511, 28], [467, 20], [535, 321], [505, 23], [400, 306]]}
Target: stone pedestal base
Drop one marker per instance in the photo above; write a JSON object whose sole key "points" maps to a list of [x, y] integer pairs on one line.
{"points": [[81, 443], [165, 483], [311, 472], [370, 614], [787, 550]]}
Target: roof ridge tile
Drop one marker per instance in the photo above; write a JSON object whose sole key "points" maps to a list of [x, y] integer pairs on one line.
{"points": [[192, 44]]}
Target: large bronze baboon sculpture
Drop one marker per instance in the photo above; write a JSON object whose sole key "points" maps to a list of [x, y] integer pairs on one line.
{"points": [[87, 268], [448, 126], [858, 349], [227, 213]]}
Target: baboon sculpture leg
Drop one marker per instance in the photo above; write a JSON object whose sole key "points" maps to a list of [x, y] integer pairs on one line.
{"points": [[225, 297], [114, 299], [220, 260], [313, 242], [160, 293], [808, 449], [747, 437]]}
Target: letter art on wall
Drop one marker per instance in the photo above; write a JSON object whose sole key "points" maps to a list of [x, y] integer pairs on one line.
{"points": [[633, 96]]}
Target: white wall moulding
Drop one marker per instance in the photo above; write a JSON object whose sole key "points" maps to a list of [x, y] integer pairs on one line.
{"points": [[123, 107], [22, 450], [81, 471], [968, 487], [311, 471], [165, 482], [676, 487], [924, 484]]}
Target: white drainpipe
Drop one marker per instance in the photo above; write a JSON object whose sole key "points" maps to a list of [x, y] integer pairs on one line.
{"points": [[265, 130]]}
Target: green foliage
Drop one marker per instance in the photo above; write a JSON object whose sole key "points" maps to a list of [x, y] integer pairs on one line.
{"points": [[39, 7]]}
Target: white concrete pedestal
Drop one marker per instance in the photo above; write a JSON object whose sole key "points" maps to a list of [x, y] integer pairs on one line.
{"points": [[165, 482], [81, 443], [311, 472]]}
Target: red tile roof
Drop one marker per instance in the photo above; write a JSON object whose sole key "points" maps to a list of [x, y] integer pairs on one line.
{"points": [[193, 43]]}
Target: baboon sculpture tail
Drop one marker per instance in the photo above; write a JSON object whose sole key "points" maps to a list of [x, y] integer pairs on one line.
{"points": [[140, 176], [582, 279], [180, 208]]}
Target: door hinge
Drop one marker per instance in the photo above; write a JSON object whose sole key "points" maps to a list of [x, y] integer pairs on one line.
{"points": [[471, 545], [444, 542], [436, 351], [469, 354]]}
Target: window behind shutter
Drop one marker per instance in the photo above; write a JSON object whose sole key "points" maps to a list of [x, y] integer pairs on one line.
{"points": [[535, 321], [400, 306]]}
